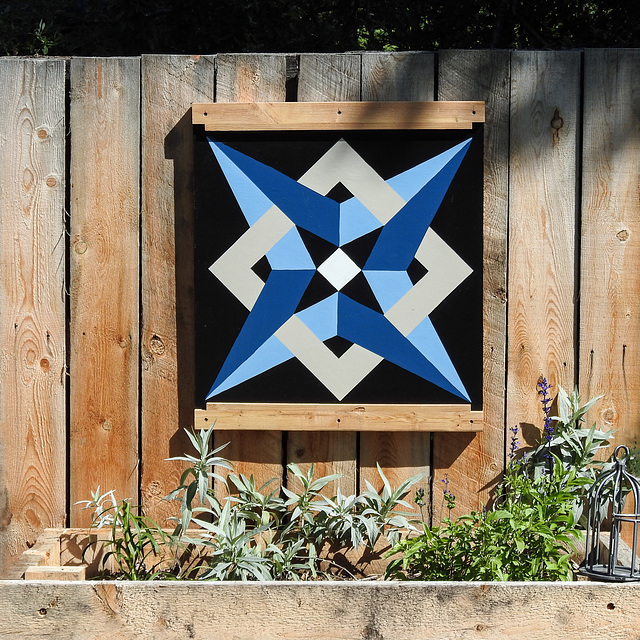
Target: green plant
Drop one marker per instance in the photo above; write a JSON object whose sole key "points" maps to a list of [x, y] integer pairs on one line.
{"points": [[529, 533], [529, 536], [44, 40], [573, 447], [633, 463], [566, 438], [201, 472], [263, 536], [135, 541], [254, 534]]}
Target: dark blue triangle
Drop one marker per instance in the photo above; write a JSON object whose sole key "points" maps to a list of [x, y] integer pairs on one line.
{"points": [[374, 332], [303, 206], [275, 305], [401, 236]]}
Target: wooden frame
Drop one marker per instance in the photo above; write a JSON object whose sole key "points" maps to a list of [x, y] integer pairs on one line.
{"points": [[338, 417], [307, 116], [338, 116]]}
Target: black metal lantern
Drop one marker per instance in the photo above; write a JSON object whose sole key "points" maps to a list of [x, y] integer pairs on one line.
{"points": [[607, 499]]}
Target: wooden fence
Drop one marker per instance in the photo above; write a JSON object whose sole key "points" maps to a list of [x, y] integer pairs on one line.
{"points": [[96, 265]]}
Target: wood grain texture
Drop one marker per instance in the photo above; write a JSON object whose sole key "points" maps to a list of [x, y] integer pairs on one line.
{"points": [[32, 309], [169, 85], [404, 76], [327, 78], [473, 464], [339, 417], [319, 116], [545, 122], [397, 76], [243, 78], [321, 610], [104, 289], [610, 251]]}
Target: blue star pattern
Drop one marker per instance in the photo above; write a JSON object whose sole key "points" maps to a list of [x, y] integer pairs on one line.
{"points": [[289, 219]]}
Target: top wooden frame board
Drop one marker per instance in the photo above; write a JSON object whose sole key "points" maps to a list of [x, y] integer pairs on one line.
{"points": [[336, 116]]}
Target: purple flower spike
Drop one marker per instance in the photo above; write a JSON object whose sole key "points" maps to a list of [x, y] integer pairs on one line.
{"points": [[545, 399], [515, 444]]}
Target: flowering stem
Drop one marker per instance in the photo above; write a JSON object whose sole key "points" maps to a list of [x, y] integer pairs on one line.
{"points": [[515, 444], [545, 399]]}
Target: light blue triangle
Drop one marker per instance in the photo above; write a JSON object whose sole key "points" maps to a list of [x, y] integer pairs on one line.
{"points": [[355, 220], [251, 200], [290, 253], [388, 286], [269, 355], [427, 341], [322, 317], [408, 183]]}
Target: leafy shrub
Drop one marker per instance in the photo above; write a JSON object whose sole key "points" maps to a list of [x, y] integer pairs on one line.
{"points": [[529, 536], [257, 534], [254, 534], [531, 530]]}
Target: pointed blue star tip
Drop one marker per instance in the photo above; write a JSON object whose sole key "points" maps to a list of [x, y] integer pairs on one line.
{"points": [[464, 394], [462, 146]]}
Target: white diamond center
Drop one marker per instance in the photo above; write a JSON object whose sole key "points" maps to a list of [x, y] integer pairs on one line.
{"points": [[339, 269]]}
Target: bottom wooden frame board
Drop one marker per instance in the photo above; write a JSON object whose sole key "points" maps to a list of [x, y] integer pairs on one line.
{"points": [[338, 417]]}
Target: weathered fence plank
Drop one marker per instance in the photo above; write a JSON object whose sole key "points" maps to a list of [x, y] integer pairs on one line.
{"points": [[407, 76], [104, 285], [398, 76], [32, 309], [327, 78], [545, 124], [321, 610], [473, 463], [610, 252], [169, 85], [252, 78]]}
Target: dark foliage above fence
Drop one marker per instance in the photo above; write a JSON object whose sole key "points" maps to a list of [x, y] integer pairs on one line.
{"points": [[125, 27]]}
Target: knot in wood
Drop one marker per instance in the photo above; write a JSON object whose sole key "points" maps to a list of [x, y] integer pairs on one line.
{"points": [[500, 294], [154, 489], [557, 122], [623, 235], [156, 345]]}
